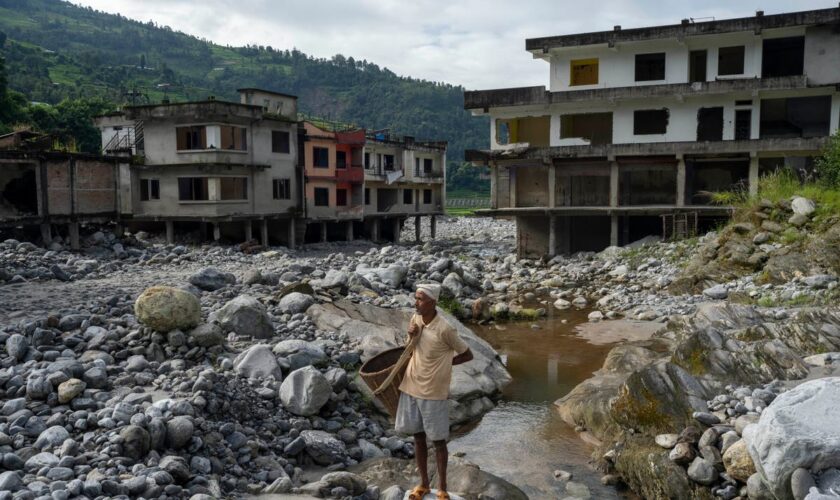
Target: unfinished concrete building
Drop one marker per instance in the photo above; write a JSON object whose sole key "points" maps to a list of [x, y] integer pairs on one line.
{"points": [[225, 167], [403, 178], [334, 179], [55, 191], [639, 126]]}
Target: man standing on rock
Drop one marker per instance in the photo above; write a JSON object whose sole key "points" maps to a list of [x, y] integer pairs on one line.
{"points": [[423, 409]]}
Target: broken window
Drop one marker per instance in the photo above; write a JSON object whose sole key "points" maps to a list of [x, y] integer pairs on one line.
{"points": [[743, 123], [427, 196], [654, 184], [595, 127], [233, 188], [192, 189], [650, 67], [583, 72], [731, 60], [188, 138], [367, 160], [340, 159], [407, 196], [650, 121], [233, 138], [533, 130], [149, 189], [710, 124], [322, 197], [795, 117], [279, 141], [320, 157], [341, 197], [282, 189], [697, 66], [367, 196], [389, 162], [783, 57], [428, 165]]}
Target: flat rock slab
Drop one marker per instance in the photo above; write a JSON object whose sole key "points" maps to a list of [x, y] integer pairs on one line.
{"points": [[611, 332]]}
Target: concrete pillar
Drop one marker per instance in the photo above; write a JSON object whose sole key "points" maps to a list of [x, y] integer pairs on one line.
{"points": [[512, 178], [433, 227], [291, 236], [73, 230], [374, 230], [552, 236], [46, 233], [249, 231], [217, 231], [170, 231], [323, 232], [614, 230], [613, 183], [494, 172], [396, 230], [753, 177], [552, 185], [349, 230], [417, 220], [264, 232], [681, 182]]}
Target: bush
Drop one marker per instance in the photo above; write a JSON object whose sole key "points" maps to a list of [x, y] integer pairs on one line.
{"points": [[828, 165]]}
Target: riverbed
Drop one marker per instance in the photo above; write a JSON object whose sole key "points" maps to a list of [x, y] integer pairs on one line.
{"points": [[523, 439]]}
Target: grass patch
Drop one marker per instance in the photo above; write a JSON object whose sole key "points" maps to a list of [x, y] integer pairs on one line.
{"points": [[783, 185], [452, 306], [461, 211]]}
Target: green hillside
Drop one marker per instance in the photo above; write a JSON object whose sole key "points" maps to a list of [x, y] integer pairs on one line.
{"points": [[55, 50]]}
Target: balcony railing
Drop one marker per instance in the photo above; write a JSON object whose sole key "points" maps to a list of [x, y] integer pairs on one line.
{"points": [[383, 170]]}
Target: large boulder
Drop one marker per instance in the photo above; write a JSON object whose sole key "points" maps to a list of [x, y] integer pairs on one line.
{"points": [[211, 279], [244, 315], [305, 391], [323, 447], [207, 335], [295, 302], [300, 353], [164, 308], [257, 362], [800, 428]]}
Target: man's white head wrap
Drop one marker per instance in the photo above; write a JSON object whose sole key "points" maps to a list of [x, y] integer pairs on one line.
{"points": [[431, 290]]}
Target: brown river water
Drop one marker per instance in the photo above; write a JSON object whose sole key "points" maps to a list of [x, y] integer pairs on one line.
{"points": [[523, 440]]}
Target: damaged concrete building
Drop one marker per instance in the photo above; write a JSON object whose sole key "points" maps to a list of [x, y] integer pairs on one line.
{"points": [[213, 166], [639, 126], [54, 190]]}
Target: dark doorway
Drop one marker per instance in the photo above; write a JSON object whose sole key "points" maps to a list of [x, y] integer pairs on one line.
{"points": [[783, 57], [710, 124], [697, 66], [21, 192], [743, 120]]}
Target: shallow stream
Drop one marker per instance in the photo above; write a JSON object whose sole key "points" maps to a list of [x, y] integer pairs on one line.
{"points": [[523, 439]]}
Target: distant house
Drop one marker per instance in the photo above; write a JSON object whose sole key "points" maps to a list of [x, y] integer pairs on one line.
{"points": [[643, 123]]}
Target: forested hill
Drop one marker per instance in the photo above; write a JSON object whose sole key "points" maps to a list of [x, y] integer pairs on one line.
{"points": [[55, 50]]}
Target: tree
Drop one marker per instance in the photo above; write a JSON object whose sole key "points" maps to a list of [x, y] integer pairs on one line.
{"points": [[828, 165]]}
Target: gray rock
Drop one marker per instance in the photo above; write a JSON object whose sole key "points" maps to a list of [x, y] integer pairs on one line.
{"points": [[703, 472], [299, 353], [212, 279], [43, 459], [295, 302], [393, 275], [705, 418], [179, 432], [17, 346], [819, 280], [257, 362], [244, 315], [176, 467], [51, 437], [136, 441], [136, 363], [354, 484], [799, 429], [207, 335], [452, 285], [829, 481], [164, 308], [334, 279], [682, 454], [69, 389], [10, 481], [323, 447], [717, 292], [757, 490], [801, 482], [802, 206], [667, 441], [305, 391]]}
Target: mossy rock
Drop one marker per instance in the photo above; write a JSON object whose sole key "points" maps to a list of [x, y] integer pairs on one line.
{"points": [[164, 308]]}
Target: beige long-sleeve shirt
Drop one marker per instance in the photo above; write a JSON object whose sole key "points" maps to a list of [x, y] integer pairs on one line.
{"points": [[429, 370]]}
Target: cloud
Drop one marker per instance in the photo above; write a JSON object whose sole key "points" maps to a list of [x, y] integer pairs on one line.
{"points": [[475, 43]]}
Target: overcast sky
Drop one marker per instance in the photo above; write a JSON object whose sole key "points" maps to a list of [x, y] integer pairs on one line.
{"points": [[479, 44]]}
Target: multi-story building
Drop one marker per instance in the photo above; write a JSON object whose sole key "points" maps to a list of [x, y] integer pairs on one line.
{"points": [[332, 165], [403, 178], [230, 165], [639, 126]]}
